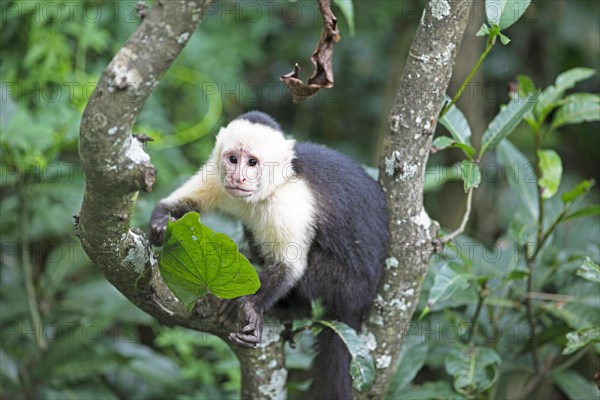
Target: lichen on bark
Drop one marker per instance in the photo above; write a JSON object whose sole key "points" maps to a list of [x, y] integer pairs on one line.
{"points": [[411, 124]]}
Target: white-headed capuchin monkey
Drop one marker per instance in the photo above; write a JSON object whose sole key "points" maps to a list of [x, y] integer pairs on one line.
{"points": [[320, 224]]}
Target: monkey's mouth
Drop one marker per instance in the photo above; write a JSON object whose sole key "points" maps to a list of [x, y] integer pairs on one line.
{"points": [[238, 192]]}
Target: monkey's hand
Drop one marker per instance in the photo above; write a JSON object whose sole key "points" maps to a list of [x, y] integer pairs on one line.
{"points": [[158, 224], [243, 309]]}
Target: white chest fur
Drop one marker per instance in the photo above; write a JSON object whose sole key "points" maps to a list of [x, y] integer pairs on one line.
{"points": [[282, 225]]}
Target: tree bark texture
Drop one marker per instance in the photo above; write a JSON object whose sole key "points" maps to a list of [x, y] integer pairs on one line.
{"points": [[117, 167], [406, 148]]}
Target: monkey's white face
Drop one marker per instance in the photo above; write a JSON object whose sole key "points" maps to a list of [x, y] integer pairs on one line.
{"points": [[241, 172], [254, 159]]}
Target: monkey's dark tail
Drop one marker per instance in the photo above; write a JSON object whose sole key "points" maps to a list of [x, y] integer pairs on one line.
{"points": [[331, 366]]}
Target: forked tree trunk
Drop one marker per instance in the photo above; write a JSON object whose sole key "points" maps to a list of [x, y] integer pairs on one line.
{"points": [[117, 167]]}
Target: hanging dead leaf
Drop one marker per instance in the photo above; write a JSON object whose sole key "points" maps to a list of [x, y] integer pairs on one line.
{"points": [[321, 58]]}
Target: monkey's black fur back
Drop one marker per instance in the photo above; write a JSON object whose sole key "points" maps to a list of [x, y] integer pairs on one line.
{"points": [[348, 253], [346, 259]]}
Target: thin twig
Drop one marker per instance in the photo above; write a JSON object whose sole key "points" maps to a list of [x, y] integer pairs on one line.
{"points": [[463, 223], [482, 295], [530, 257], [549, 296], [538, 171], [530, 295], [34, 313], [530, 315], [531, 385], [462, 88], [550, 229]]}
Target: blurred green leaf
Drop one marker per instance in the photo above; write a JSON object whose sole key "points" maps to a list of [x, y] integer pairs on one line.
{"points": [[579, 339], [586, 302], [440, 143], [444, 142], [27, 134], [469, 151], [503, 302], [551, 168], [197, 130], [581, 97], [517, 275], [474, 369], [583, 212], [435, 390], [82, 391], [551, 96], [362, 368], [577, 108], [424, 313], [575, 386], [484, 30], [549, 99], [347, 8], [301, 324], [580, 190], [436, 176], [89, 35], [9, 368], [589, 270], [108, 303], [506, 121], [73, 362], [64, 262], [450, 278], [149, 364], [412, 359], [520, 177], [184, 341], [526, 86], [568, 79], [458, 126], [317, 309], [49, 54], [196, 260], [504, 39], [571, 318], [505, 13], [470, 174]]}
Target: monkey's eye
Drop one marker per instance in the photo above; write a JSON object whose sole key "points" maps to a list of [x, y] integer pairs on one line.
{"points": [[252, 162], [233, 159]]}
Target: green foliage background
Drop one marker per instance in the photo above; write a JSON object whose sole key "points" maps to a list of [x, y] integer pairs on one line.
{"points": [[89, 342]]}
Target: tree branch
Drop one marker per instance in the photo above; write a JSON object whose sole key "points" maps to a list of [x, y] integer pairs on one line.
{"points": [[117, 167], [404, 156], [461, 228]]}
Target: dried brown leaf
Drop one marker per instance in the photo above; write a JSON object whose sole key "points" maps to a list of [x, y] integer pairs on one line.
{"points": [[321, 58]]}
